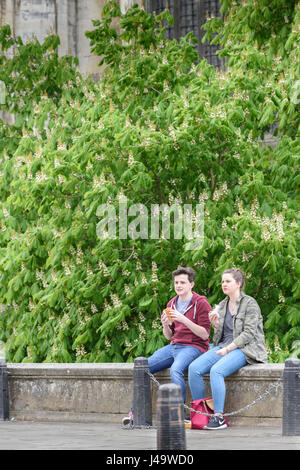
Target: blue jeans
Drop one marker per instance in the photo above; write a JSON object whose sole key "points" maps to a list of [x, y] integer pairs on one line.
{"points": [[219, 368], [178, 358]]}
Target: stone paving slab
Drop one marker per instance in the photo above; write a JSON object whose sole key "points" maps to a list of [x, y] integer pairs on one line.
{"points": [[24, 435]]}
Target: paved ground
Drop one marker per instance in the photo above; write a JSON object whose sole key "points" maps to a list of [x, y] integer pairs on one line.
{"points": [[98, 436]]}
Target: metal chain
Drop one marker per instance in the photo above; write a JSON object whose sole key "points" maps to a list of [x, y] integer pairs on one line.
{"points": [[261, 397]]}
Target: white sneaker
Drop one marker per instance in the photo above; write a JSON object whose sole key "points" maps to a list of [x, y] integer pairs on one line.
{"points": [[126, 421]]}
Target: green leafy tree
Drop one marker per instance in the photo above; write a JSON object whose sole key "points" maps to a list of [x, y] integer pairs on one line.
{"points": [[155, 129]]}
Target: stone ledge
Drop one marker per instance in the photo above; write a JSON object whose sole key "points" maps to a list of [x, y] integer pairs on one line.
{"points": [[102, 392]]}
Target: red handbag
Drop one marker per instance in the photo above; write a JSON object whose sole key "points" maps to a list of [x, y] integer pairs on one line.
{"points": [[205, 405]]}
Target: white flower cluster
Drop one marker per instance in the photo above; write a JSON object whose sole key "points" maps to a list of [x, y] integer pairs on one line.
{"points": [[141, 317], [127, 290], [166, 86], [39, 177], [185, 101], [184, 124], [172, 133], [99, 181], [94, 308], [74, 105], [151, 125], [131, 160], [89, 271], [147, 142], [80, 351], [38, 153], [66, 267], [3, 308], [64, 320], [221, 192], [103, 268], [227, 244], [273, 225], [203, 197], [247, 256], [107, 307], [115, 300], [40, 275], [142, 334], [56, 233], [154, 272], [156, 325], [247, 235], [219, 112], [5, 212], [61, 146], [56, 163], [254, 209], [240, 207], [61, 179], [138, 265]]}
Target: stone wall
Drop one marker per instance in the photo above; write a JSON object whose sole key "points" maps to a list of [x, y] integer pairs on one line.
{"points": [[103, 392]]}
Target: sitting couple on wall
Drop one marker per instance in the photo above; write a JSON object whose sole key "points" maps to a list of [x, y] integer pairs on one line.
{"points": [[238, 338]]}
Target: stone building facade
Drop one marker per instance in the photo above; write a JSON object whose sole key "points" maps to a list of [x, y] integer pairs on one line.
{"points": [[69, 19]]}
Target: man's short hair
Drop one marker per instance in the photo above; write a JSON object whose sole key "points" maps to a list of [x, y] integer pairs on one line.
{"points": [[188, 271]]}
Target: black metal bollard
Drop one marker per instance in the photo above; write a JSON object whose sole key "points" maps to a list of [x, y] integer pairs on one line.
{"points": [[4, 403], [291, 398], [170, 418], [142, 406]]}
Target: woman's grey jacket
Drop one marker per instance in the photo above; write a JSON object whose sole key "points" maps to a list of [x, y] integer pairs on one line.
{"points": [[248, 333]]}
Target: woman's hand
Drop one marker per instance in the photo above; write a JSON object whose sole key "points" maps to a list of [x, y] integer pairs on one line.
{"points": [[222, 352], [214, 318]]}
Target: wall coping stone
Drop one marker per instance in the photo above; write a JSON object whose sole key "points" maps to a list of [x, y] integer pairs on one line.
{"points": [[102, 392]]}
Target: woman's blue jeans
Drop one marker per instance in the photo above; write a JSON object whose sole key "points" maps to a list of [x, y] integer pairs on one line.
{"points": [[178, 358], [219, 368]]}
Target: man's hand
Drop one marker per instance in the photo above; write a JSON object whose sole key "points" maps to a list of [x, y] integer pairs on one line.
{"points": [[166, 326], [178, 316], [164, 319], [196, 329]]}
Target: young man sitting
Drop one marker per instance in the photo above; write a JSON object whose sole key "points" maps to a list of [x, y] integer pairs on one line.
{"points": [[187, 330]]}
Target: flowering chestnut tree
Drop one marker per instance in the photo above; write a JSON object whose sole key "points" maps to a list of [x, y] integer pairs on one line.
{"points": [[158, 128]]}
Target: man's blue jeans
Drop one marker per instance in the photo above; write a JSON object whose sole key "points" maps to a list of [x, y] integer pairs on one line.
{"points": [[219, 368], [178, 358]]}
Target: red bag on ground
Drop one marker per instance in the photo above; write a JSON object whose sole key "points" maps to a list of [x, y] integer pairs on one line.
{"points": [[205, 405]]}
